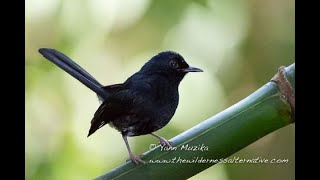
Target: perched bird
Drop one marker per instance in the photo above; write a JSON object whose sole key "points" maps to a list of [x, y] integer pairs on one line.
{"points": [[141, 105]]}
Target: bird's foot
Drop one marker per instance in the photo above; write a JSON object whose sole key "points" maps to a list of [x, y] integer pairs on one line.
{"points": [[136, 159], [165, 143]]}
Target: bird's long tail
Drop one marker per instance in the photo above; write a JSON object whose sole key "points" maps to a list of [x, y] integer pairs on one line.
{"points": [[74, 70]]}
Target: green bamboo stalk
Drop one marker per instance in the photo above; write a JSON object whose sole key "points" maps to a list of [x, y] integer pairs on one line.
{"points": [[220, 136]]}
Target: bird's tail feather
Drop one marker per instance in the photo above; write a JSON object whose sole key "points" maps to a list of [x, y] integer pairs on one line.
{"points": [[74, 70]]}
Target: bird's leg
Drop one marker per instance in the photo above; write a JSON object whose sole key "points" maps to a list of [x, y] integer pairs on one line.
{"points": [[163, 141], [133, 158]]}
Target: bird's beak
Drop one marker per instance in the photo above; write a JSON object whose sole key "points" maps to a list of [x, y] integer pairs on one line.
{"points": [[191, 69]]}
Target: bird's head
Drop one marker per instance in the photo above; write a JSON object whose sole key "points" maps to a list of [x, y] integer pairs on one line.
{"points": [[169, 63]]}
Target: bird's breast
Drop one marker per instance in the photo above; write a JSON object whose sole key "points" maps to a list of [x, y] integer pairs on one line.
{"points": [[167, 105]]}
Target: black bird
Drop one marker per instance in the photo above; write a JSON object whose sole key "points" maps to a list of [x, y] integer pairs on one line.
{"points": [[141, 105]]}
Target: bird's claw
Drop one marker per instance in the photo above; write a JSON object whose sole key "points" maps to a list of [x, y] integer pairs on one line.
{"points": [[165, 143], [136, 159]]}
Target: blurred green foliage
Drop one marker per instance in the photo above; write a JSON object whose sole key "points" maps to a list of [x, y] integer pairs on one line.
{"points": [[239, 44]]}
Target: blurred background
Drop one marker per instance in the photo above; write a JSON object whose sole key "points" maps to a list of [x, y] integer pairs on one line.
{"points": [[239, 44]]}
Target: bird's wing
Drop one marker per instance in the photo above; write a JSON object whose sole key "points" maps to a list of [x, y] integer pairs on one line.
{"points": [[111, 89], [119, 104]]}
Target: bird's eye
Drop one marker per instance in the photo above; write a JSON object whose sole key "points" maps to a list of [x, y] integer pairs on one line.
{"points": [[173, 64]]}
